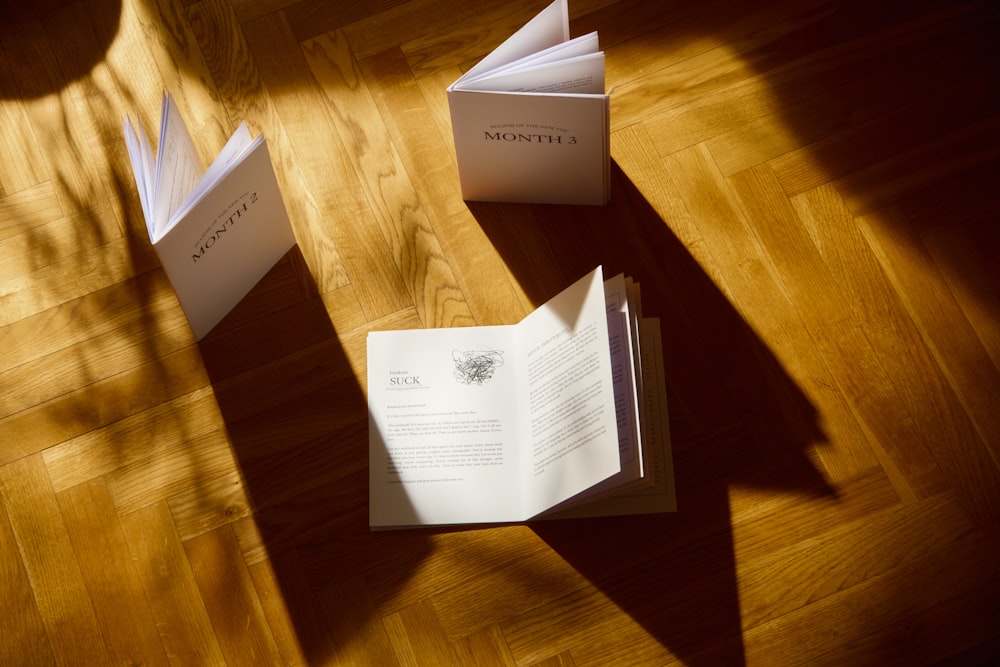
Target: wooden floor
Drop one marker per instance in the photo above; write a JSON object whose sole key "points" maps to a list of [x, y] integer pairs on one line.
{"points": [[807, 191]]}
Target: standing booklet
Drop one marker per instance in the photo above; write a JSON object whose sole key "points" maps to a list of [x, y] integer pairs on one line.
{"points": [[560, 415], [531, 120], [216, 232]]}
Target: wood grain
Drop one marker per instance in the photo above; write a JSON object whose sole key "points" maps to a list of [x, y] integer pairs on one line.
{"points": [[806, 192]]}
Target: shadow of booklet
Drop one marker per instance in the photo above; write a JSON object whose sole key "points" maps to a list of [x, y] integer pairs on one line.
{"points": [[563, 414]]}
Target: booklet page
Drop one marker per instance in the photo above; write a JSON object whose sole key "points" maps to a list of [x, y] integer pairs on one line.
{"points": [[236, 149], [444, 445], [586, 45], [571, 424], [578, 46], [178, 167], [582, 74], [656, 494], [623, 369], [141, 157], [548, 28], [622, 341]]}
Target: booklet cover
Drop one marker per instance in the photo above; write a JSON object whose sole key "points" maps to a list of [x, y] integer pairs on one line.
{"points": [[531, 120], [216, 232], [560, 415]]}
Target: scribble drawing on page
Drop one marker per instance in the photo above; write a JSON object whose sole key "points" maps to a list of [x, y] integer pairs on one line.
{"points": [[476, 366]]}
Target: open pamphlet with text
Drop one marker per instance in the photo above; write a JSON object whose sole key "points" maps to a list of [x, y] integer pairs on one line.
{"points": [[563, 414], [218, 231], [531, 120]]}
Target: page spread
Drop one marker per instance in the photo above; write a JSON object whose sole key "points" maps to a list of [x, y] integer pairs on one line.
{"points": [[505, 423], [474, 424], [172, 181]]}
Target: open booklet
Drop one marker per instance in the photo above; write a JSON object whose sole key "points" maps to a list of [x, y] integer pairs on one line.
{"points": [[216, 232], [531, 120], [563, 414]]}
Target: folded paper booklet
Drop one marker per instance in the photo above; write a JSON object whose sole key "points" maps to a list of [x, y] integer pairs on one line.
{"points": [[561, 415], [216, 232], [531, 120]]}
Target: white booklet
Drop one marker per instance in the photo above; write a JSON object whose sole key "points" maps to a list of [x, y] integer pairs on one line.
{"points": [[216, 232], [562, 414], [531, 120]]}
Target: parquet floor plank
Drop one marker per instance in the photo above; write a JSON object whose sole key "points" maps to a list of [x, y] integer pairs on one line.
{"points": [[237, 76], [800, 267], [281, 586], [231, 598], [39, 531], [405, 225], [954, 250], [938, 316], [426, 154], [355, 626], [858, 547], [417, 637], [120, 603], [919, 585], [335, 186], [488, 647], [24, 631], [177, 605]]}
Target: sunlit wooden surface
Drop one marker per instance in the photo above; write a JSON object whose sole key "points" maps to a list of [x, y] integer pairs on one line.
{"points": [[806, 190]]}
